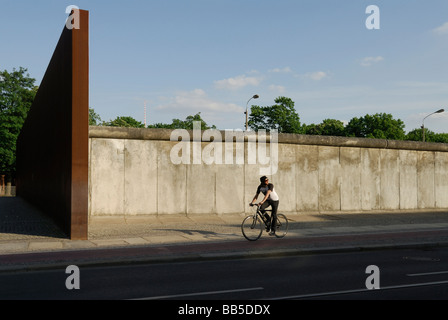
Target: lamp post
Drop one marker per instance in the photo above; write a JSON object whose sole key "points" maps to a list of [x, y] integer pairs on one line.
{"points": [[423, 123], [254, 97]]}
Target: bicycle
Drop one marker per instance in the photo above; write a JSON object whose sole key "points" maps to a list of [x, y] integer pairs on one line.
{"points": [[252, 227]]}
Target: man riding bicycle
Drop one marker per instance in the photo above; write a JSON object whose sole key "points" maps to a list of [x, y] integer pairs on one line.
{"points": [[270, 199]]}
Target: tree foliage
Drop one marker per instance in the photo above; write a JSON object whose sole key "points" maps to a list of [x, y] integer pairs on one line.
{"points": [[281, 116], [430, 136], [127, 122], [184, 124], [94, 118], [379, 126], [328, 127], [17, 92]]}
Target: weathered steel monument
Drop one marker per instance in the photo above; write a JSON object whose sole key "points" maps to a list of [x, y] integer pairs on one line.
{"points": [[52, 149]]}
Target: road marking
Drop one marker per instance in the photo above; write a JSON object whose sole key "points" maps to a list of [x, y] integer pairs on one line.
{"points": [[201, 293], [426, 274], [322, 294]]}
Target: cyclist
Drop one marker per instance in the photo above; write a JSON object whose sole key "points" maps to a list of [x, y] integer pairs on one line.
{"points": [[270, 199]]}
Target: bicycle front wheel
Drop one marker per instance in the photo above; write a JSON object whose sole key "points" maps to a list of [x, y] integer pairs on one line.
{"points": [[252, 228], [281, 229]]}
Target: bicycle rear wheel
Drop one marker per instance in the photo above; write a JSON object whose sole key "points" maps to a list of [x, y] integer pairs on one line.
{"points": [[281, 229], [251, 228]]}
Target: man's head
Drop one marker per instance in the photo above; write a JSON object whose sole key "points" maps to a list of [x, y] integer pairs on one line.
{"points": [[264, 179]]}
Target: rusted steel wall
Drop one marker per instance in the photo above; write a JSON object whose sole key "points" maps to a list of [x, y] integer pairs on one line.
{"points": [[52, 149]]}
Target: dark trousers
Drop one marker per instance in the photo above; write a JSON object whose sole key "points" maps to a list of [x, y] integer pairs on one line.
{"points": [[274, 205]]}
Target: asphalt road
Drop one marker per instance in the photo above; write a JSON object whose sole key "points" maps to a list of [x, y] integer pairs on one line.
{"points": [[400, 274]]}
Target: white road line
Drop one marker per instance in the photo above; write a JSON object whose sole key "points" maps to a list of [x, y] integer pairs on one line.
{"points": [[201, 293], [425, 274], [322, 294]]}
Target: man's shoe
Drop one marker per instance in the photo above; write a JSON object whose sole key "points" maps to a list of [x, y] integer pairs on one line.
{"points": [[272, 233]]}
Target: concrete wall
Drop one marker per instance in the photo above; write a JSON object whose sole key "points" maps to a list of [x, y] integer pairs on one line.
{"points": [[131, 173]]}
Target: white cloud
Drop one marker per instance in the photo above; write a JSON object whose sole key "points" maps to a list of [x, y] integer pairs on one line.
{"points": [[197, 101], [368, 61], [277, 88], [316, 76], [237, 82], [443, 29], [281, 70]]}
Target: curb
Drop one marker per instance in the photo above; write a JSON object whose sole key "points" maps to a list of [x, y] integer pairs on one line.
{"points": [[211, 256]]}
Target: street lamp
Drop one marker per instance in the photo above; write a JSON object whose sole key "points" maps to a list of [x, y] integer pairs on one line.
{"points": [[423, 123], [254, 97]]}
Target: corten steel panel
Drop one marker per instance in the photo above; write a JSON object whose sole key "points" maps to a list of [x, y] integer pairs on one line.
{"points": [[80, 129], [52, 149]]}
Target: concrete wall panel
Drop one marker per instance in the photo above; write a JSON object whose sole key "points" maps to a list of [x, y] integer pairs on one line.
{"points": [[408, 179], [284, 181], [329, 179], [140, 177], [350, 161], [370, 179], [201, 189], [441, 179], [307, 178], [107, 180], [172, 183], [230, 192], [136, 176], [425, 173], [390, 180]]}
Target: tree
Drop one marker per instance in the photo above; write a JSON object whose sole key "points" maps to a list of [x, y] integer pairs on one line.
{"points": [[17, 92], [416, 135], [186, 124], [378, 126], [94, 118], [328, 127], [440, 137], [281, 116], [127, 122], [430, 136]]}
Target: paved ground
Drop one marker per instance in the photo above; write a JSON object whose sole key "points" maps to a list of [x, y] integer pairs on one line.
{"points": [[27, 236]]}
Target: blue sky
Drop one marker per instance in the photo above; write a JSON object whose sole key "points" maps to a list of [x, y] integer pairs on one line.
{"points": [[211, 56]]}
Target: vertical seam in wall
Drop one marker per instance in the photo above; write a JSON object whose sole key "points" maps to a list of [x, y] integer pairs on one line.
{"points": [[340, 181], [360, 180], [318, 179], [434, 181], [399, 178], [416, 178], [89, 180], [214, 195], [380, 178], [400, 169], [246, 158], [294, 168], [157, 180], [124, 178]]}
